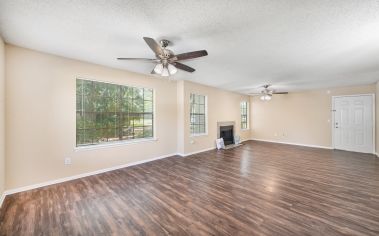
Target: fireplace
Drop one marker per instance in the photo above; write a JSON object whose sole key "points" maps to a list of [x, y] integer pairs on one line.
{"points": [[226, 132]]}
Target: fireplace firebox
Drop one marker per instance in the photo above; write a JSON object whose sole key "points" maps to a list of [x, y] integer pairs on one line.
{"points": [[226, 132]]}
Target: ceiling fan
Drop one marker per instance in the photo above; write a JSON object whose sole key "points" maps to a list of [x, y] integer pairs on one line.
{"points": [[266, 93], [166, 61]]}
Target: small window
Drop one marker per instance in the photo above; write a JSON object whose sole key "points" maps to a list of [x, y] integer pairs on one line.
{"points": [[244, 115], [198, 116], [109, 112]]}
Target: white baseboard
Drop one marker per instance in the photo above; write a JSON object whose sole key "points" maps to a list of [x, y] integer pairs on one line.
{"points": [[61, 180], [196, 152], [289, 143], [204, 150], [2, 197]]}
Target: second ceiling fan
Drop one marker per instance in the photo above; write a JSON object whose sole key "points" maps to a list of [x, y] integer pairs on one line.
{"points": [[166, 61], [266, 93]]}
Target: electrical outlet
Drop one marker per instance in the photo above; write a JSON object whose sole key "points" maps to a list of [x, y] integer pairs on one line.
{"points": [[192, 141], [67, 161]]}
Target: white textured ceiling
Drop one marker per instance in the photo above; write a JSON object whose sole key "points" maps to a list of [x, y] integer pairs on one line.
{"points": [[294, 45]]}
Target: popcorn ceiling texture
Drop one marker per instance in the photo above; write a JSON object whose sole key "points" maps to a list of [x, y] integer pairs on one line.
{"points": [[294, 45]]}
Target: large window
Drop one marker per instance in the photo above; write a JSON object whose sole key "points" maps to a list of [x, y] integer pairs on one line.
{"points": [[244, 115], [198, 116], [109, 112]]}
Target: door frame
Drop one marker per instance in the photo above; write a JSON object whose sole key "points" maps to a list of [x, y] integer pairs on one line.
{"points": [[372, 95]]}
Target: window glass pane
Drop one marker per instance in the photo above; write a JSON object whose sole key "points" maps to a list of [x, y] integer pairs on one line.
{"points": [[192, 119], [202, 99], [87, 87], [109, 112], [138, 120], [87, 104], [79, 136], [127, 132], [79, 87], [197, 129], [88, 120], [113, 90], [148, 94], [202, 109], [197, 99], [127, 93], [197, 108], [79, 120], [148, 106], [148, 119], [148, 131], [202, 119], [138, 131], [79, 102], [197, 114], [244, 115], [192, 108]]}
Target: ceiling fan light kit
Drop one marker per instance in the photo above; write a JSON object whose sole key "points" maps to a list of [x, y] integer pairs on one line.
{"points": [[266, 97], [167, 61], [158, 68], [165, 72], [172, 69]]}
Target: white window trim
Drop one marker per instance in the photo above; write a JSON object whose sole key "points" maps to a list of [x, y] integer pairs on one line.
{"points": [[206, 116], [114, 144], [247, 115]]}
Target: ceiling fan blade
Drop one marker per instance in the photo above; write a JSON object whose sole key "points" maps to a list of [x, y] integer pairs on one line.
{"points": [[190, 55], [183, 67], [153, 45], [280, 93], [138, 59]]}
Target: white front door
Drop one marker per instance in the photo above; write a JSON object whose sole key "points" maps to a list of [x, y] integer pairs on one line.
{"points": [[353, 123]]}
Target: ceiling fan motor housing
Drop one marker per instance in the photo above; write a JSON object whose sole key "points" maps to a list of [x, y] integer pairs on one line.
{"points": [[164, 43]]}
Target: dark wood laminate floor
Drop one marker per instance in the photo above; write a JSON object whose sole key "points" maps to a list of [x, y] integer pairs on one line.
{"points": [[256, 189]]}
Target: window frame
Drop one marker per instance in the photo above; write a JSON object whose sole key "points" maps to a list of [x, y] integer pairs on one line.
{"points": [[205, 115], [118, 142], [247, 115]]}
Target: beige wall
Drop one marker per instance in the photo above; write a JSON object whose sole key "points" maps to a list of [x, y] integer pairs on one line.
{"points": [[40, 118], [2, 116], [303, 118], [180, 116], [222, 106], [377, 118]]}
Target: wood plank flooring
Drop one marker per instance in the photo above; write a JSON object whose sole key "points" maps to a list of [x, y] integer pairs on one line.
{"points": [[256, 189]]}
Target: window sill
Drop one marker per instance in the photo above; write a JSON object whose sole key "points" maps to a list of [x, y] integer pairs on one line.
{"points": [[245, 129], [114, 144], [198, 135]]}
